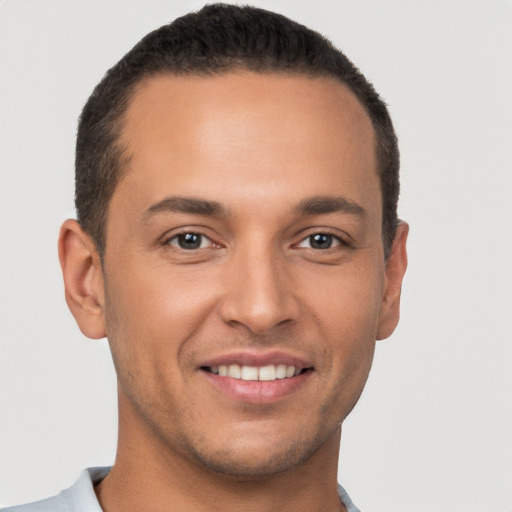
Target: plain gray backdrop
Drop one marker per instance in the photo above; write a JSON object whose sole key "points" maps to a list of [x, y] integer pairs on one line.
{"points": [[433, 430]]}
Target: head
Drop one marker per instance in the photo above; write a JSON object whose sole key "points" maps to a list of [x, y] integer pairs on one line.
{"points": [[237, 240], [216, 40]]}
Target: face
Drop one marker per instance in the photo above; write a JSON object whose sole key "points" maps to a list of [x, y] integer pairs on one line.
{"points": [[245, 281]]}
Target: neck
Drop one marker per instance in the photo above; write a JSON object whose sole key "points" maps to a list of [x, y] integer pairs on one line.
{"points": [[149, 475]]}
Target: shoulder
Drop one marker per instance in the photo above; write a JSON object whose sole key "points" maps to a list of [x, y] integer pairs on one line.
{"points": [[80, 497], [54, 504]]}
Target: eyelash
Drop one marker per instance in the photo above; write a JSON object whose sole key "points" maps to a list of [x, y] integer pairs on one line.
{"points": [[176, 238]]}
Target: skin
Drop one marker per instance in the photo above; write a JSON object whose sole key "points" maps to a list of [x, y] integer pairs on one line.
{"points": [[259, 145]]}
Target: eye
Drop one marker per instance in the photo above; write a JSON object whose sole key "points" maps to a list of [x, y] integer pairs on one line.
{"points": [[320, 241], [190, 241]]}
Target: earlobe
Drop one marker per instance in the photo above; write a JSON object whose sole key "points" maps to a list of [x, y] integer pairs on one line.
{"points": [[83, 279], [396, 266]]}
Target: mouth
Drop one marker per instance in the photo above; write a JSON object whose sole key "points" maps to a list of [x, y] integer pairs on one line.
{"points": [[267, 373], [257, 378]]}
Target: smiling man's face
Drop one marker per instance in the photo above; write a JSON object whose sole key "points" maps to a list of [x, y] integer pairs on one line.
{"points": [[245, 282]]}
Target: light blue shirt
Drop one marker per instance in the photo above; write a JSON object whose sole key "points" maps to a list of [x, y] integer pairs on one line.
{"points": [[80, 497]]}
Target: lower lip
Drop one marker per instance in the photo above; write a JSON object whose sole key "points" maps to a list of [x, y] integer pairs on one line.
{"points": [[257, 391]]}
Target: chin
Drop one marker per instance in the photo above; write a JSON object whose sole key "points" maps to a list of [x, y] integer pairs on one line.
{"points": [[247, 462]]}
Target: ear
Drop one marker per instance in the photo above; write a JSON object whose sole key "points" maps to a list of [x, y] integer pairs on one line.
{"points": [[396, 265], [83, 279]]}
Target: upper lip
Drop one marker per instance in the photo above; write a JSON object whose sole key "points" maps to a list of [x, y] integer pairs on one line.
{"points": [[259, 359]]}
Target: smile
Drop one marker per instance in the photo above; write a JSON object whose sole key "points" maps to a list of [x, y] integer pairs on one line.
{"points": [[257, 377], [255, 373]]}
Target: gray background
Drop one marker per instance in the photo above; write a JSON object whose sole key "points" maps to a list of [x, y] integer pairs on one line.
{"points": [[433, 430]]}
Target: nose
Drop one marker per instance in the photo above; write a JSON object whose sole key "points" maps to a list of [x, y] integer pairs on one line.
{"points": [[259, 292]]}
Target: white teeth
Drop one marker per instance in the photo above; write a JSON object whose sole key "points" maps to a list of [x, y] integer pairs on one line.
{"points": [[281, 371], [263, 373], [249, 373], [268, 372], [234, 371]]}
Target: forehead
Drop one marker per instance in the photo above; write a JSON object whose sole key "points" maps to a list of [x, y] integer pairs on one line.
{"points": [[169, 102], [244, 130]]}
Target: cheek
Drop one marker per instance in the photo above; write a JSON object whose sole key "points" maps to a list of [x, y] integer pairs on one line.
{"points": [[150, 322], [347, 301], [161, 300], [346, 310]]}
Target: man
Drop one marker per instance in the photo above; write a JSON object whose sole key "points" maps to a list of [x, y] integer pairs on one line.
{"points": [[237, 242]]}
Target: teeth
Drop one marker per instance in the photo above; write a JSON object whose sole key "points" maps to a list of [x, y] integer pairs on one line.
{"points": [[268, 372], [281, 371], [249, 373], [234, 371], [263, 373]]}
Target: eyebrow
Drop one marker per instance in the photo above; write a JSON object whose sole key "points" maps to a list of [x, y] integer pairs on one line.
{"points": [[316, 205], [319, 205], [192, 205]]}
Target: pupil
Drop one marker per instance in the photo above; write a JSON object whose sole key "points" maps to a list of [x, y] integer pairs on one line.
{"points": [[321, 241], [189, 241]]}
